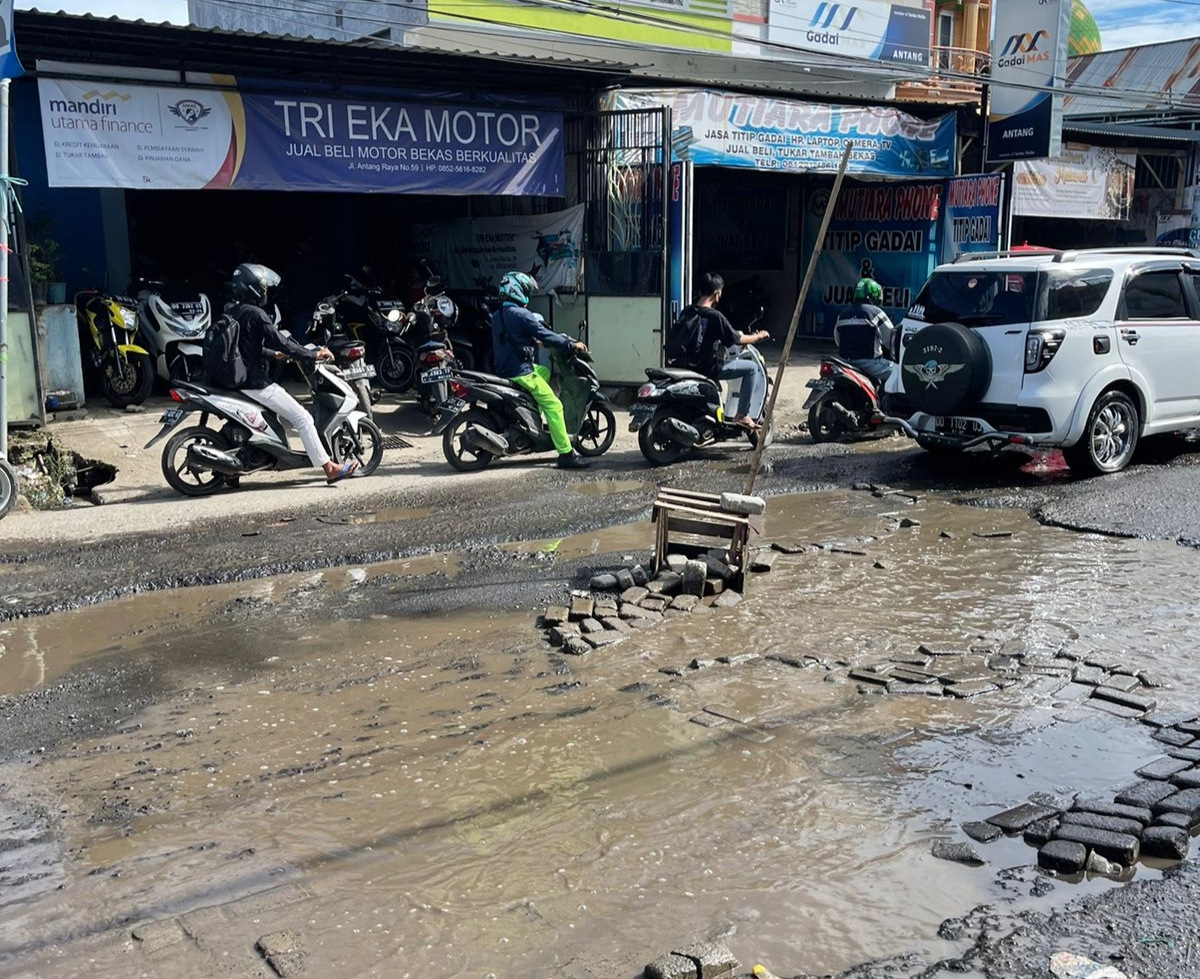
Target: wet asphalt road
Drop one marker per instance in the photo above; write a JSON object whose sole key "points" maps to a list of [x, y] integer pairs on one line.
{"points": [[1152, 924]]}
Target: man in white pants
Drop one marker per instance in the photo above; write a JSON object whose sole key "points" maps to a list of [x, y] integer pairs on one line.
{"points": [[253, 286]]}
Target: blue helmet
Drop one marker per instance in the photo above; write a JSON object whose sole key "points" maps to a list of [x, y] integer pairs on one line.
{"points": [[518, 287]]}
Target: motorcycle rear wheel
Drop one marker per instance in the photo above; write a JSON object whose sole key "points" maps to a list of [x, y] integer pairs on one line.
{"points": [[658, 447], [462, 457], [397, 369], [126, 383], [367, 448], [597, 431], [180, 474], [362, 387], [825, 423]]}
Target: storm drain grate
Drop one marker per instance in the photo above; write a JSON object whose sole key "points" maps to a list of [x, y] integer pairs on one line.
{"points": [[396, 442]]}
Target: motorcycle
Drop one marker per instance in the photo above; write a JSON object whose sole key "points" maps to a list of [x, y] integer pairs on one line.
{"points": [[369, 316], [487, 417], [844, 401], [200, 460], [679, 410], [172, 331], [110, 324], [433, 318], [349, 356]]}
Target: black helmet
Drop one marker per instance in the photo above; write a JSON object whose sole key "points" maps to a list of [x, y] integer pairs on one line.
{"points": [[254, 284]]}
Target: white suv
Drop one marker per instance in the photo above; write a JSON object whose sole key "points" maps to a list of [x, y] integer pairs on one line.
{"points": [[1084, 350]]}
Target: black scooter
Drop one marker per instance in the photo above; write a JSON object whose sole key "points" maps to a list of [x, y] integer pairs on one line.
{"points": [[488, 417], [844, 402]]}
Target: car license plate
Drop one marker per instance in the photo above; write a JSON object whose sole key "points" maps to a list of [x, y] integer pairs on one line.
{"points": [[958, 426], [453, 405], [436, 374], [171, 416], [358, 371]]}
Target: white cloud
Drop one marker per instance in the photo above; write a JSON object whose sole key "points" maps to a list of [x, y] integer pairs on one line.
{"points": [[1124, 23], [155, 11]]}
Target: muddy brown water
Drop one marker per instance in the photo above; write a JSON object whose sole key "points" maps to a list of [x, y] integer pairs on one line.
{"points": [[447, 797]]}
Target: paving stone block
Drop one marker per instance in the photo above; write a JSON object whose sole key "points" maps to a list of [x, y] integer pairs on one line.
{"points": [[702, 663], [605, 609], [1186, 801], [581, 608], [982, 832], [1123, 681], [1191, 727], [1185, 754], [651, 621], [667, 582], [1040, 833], [671, 966], [598, 640], [869, 676], [1165, 842], [556, 615], [1113, 824], [971, 688], [713, 586], [283, 952], [685, 603], [1063, 857], [655, 603], [908, 675], [158, 934], [1189, 778], [1144, 794], [1104, 661], [276, 897], [1163, 768], [590, 625], [1091, 675], [747, 506], [942, 649], [738, 659], [1016, 819], [676, 562], [1162, 718], [728, 599], [615, 624], [576, 646], [634, 595], [713, 959], [625, 580], [1124, 698], [603, 582], [1168, 735], [640, 575], [763, 560], [1122, 848], [1178, 820], [957, 853], [629, 611], [790, 547], [203, 922]]}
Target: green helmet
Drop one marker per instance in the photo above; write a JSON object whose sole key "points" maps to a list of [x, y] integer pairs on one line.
{"points": [[868, 291], [517, 287]]}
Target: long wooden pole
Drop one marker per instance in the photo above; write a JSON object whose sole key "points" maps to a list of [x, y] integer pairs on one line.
{"points": [[756, 458]]}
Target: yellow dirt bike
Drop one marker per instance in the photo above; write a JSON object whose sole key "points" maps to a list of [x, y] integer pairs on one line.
{"points": [[108, 325]]}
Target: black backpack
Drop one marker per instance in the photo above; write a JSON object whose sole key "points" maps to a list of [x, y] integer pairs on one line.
{"points": [[685, 342], [223, 363]]}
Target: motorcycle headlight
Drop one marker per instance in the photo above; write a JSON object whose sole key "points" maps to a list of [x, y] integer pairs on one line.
{"points": [[129, 318], [446, 306]]}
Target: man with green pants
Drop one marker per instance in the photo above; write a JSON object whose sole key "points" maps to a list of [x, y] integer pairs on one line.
{"points": [[515, 334]]}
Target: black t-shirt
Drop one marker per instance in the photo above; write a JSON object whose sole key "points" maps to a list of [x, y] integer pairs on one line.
{"points": [[257, 335], [717, 334]]}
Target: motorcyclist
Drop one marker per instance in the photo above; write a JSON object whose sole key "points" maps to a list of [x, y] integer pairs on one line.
{"points": [[516, 331], [254, 286], [863, 331]]}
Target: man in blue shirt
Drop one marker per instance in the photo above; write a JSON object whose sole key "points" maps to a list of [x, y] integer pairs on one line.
{"points": [[516, 333], [863, 331]]}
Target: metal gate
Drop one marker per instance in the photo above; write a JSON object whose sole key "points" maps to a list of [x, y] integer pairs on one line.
{"points": [[625, 241]]}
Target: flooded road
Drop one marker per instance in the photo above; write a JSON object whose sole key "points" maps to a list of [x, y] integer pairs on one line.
{"points": [[448, 796]]}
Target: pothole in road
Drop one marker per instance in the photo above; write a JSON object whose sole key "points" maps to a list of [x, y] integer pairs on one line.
{"points": [[459, 799]]}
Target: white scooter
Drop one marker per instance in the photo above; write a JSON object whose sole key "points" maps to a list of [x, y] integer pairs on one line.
{"points": [[173, 332], [200, 460]]}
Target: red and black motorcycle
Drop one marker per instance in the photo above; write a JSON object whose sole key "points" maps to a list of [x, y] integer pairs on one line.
{"points": [[844, 402]]}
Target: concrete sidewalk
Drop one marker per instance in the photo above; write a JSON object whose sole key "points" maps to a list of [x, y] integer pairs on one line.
{"points": [[139, 500]]}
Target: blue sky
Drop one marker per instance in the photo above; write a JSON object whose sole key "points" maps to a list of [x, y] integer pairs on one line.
{"points": [[1121, 22]]}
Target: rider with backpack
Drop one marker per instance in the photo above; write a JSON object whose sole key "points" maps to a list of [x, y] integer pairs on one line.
{"points": [[699, 338], [253, 288]]}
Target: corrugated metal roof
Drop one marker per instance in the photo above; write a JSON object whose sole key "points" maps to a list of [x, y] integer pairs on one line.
{"points": [[1156, 77], [1135, 134]]}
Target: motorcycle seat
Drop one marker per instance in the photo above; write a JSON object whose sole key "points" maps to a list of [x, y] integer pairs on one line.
{"points": [[483, 378], [674, 374]]}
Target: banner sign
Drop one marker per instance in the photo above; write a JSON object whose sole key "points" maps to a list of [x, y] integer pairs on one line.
{"points": [[866, 29], [888, 233], [713, 128], [474, 253], [1095, 182], [10, 66], [971, 215], [138, 136], [1029, 56], [1177, 228]]}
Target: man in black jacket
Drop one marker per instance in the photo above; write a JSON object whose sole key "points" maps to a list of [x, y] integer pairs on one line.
{"points": [[253, 286]]}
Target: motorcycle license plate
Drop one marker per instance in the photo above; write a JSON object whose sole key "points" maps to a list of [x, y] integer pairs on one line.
{"points": [[358, 371], [819, 384], [957, 426], [171, 416], [436, 374], [639, 415], [452, 405]]}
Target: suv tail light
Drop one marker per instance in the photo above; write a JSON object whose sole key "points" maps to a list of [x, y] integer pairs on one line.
{"points": [[1040, 348]]}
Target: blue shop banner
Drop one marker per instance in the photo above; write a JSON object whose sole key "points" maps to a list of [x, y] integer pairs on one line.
{"points": [[971, 215], [887, 232], [155, 137], [712, 128]]}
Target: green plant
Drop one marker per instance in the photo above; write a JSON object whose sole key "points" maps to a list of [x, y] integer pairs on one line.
{"points": [[41, 251]]}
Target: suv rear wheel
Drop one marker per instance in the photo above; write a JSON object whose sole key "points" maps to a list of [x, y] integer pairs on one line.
{"points": [[1109, 438]]}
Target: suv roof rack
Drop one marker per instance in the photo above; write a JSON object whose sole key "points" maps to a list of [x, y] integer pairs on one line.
{"points": [[1072, 253], [1008, 253]]}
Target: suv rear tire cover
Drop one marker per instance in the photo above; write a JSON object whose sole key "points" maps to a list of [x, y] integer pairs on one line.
{"points": [[945, 369]]}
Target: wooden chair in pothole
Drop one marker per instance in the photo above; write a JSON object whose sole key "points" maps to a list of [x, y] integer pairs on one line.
{"points": [[692, 524]]}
